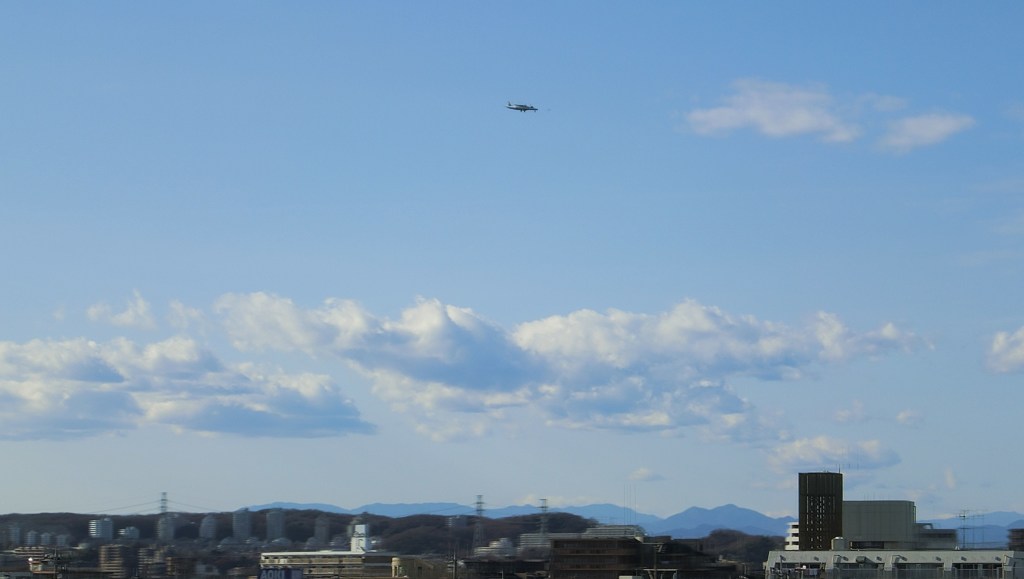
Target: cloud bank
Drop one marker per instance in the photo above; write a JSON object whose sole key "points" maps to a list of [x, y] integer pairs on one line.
{"points": [[1006, 353], [775, 110], [910, 133], [57, 389], [613, 370], [781, 110], [449, 370], [823, 451]]}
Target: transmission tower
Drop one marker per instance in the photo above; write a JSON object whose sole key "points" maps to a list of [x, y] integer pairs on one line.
{"points": [[478, 530]]}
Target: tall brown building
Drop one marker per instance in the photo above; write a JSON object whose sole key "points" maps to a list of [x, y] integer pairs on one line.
{"points": [[647, 557], [1016, 537], [117, 561], [821, 509]]}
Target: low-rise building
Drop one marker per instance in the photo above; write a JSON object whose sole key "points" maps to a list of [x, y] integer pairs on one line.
{"points": [[613, 553], [361, 561], [844, 563]]}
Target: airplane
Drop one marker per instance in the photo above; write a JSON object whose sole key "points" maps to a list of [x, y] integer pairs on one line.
{"points": [[520, 108]]}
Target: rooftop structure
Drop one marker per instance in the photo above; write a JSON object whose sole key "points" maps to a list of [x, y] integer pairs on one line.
{"points": [[361, 561], [881, 525], [844, 563], [877, 540]]}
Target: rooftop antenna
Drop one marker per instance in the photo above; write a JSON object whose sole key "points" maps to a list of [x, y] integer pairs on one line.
{"points": [[543, 518]]}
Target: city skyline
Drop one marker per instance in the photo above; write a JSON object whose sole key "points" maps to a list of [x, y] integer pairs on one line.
{"points": [[305, 253]]}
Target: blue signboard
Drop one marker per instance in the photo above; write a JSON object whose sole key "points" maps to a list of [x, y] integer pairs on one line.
{"points": [[280, 574]]}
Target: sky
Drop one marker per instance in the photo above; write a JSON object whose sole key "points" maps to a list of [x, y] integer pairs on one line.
{"points": [[269, 251]]}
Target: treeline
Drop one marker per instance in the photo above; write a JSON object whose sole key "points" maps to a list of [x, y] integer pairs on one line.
{"points": [[411, 534]]}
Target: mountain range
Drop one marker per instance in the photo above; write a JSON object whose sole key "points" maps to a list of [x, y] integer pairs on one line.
{"points": [[694, 522], [979, 530]]}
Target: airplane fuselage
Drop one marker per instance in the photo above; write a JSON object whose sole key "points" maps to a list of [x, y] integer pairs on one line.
{"points": [[520, 108]]}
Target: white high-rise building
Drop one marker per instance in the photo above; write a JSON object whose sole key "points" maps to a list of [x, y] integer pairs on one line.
{"points": [[275, 524], [792, 536], [208, 528], [360, 540], [322, 530], [165, 527], [102, 529], [131, 533], [241, 524]]}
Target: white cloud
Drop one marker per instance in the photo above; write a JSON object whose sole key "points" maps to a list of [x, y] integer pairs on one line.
{"points": [[884, 103], [644, 474], [912, 132], [853, 413], [1006, 353], [826, 452], [455, 373], [184, 317], [908, 417], [775, 110], [950, 478], [260, 321], [839, 343], [74, 388], [615, 370], [135, 315]]}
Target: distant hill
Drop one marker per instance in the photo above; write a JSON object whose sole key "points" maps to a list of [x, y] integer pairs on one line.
{"points": [[989, 530], [697, 522], [694, 522], [382, 509]]}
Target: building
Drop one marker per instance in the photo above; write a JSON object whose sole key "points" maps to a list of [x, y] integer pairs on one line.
{"points": [[331, 564], [166, 526], [617, 551], [208, 528], [793, 536], [1016, 538], [117, 561], [845, 563], [891, 525], [359, 562], [177, 566], [882, 525], [275, 524], [322, 530], [595, 558], [821, 509], [130, 533], [502, 547], [241, 524], [102, 529], [878, 540], [152, 561]]}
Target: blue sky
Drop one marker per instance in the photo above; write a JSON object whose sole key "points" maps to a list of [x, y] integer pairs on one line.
{"points": [[265, 251]]}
